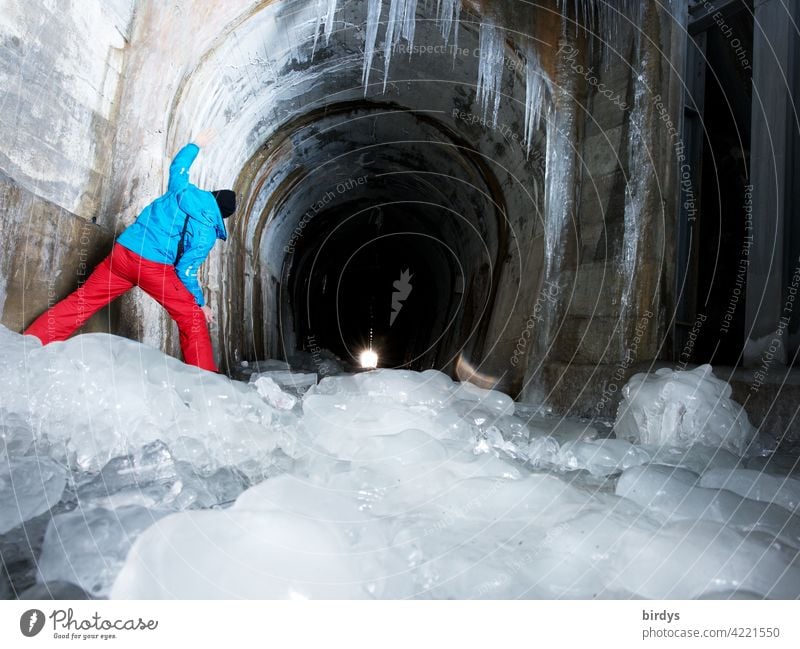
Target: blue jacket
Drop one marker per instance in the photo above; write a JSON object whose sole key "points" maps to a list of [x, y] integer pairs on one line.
{"points": [[156, 232]]}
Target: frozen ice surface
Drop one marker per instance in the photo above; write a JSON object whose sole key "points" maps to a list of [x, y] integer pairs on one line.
{"points": [[780, 490], [88, 546], [54, 590], [602, 456], [491, 400], [152, 477], [16, 438], [680, 408], [29, 486], [697, 457], [95, 397], [689, 559], [381, 484], [781, 464], [674, 494], [240, 554]]}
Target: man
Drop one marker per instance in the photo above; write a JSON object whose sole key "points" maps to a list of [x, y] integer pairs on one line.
{"points": [[160, 253]]}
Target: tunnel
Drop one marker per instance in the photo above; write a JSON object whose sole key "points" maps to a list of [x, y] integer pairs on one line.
{"points": [[502, 191], [369, 193], [506, 308], [349, 186]]}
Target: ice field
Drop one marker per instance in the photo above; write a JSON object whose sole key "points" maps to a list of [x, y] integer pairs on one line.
{"points": [[130, 475]]}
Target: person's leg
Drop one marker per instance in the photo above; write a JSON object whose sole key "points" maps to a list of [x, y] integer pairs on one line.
{"points": [[161, 283], [103, 285]]}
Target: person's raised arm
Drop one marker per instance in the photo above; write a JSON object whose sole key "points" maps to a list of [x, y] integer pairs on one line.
{"points": [[179, 169], [182, 162]]}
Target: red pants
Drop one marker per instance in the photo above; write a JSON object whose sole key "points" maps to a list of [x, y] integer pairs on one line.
{"points": [[116, 274]]}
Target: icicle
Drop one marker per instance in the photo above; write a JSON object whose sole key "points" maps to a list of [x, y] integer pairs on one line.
{"points": [[394, 9], [409, 21], [403, 12], [401, 23], [326, 9], [329, 21], [639, 172], [604, 20], [457, 20], [373, 20], [448, 11], [490, 71], [558, 183], [537, 88]]}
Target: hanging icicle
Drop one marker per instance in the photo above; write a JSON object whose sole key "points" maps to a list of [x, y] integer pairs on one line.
{"points": [[537, 96], [401, 24], [326, 10], [490, 70], [373, 20], [402, 14], [640, 171], [605, 20], [448, 12]]}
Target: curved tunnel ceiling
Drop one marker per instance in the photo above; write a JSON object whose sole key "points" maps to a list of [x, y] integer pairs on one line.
{"points": [[345, 188]]}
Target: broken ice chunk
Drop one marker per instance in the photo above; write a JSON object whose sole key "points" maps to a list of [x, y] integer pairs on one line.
{"points": [[696, 458], [681, 408], [602, 456], [297, 382], [152, 477], [88, 547], [543, 451], [16, 437], [29, 486], [273, 395]]}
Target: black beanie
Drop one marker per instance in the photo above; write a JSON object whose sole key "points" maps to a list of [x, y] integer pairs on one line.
{"points": [[226, 199]]}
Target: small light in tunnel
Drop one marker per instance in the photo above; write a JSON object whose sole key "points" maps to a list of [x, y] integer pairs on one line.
{"points": [[369, 359]]}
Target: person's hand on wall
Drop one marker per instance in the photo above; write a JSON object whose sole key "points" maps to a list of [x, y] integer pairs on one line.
{"points": [[208, 313], [205, 137]]}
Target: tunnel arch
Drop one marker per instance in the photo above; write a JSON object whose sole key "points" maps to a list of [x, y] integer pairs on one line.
{"points": [[282, 130], [453, 176]]}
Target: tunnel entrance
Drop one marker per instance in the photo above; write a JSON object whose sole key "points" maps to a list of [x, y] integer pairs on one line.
{"points": [[368, 226], [382, 280]]}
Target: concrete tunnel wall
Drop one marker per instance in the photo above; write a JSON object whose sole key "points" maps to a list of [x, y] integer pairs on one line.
{"points": [[292, 127]]}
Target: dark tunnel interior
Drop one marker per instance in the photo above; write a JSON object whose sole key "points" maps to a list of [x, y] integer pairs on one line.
{"points": [[379, 279], [370, 226]]}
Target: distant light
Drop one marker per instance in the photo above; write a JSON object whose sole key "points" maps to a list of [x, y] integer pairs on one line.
{"points": [[369, 359]]}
